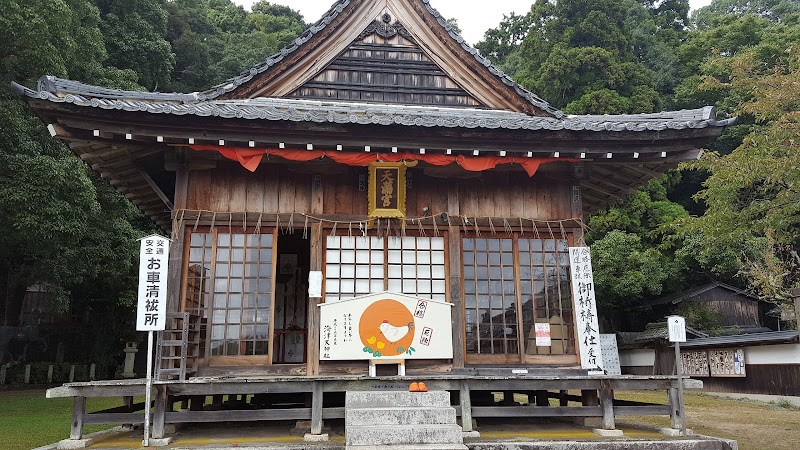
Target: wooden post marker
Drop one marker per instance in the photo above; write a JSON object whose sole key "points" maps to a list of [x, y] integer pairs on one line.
{"points": [[677, 334]]}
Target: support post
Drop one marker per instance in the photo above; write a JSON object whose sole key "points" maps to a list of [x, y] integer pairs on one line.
{"points": [[563, 399], [674, 408], [27, 373], [542, 398], [49, 373], [159, 413], [607, 402], [679, 371], [466, 406], [78, 411], [316, 408], [148, 389], [312, 365], [796, 295]]}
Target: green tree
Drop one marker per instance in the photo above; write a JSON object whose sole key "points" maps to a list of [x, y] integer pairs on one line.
{"points": [[134, 33], [56, 229], [753, 193]]}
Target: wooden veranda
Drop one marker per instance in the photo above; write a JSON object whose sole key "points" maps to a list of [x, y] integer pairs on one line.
{"points": [[273, 398]]}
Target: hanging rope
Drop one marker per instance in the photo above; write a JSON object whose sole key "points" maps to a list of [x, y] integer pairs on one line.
{"points": [[213, 221], [258, 224], [491, 227], [305, 229], [435, 226], [290, 225]]}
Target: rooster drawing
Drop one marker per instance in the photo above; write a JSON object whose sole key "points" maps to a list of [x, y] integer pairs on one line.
{"points": [[394, 334]]}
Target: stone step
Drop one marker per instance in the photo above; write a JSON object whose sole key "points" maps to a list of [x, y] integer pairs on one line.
{"points": [[409, 447], [403, 434], [434, 415], [392, 399]]}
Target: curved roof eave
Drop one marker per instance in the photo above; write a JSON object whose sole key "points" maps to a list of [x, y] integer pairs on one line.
{"points": [[295, 110]]}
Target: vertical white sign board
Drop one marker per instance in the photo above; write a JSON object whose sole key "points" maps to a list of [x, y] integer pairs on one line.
{"points": [[151, 311], [585, 306], [608, 342]]}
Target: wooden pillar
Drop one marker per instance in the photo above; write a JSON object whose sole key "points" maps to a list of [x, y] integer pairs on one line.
{"points": [[176, 248], [674, 408], [589, 397], [466, 406], [563, 398], [454, 266], [316, 408], [542, 398], [607, 402], [127, 402], [159, 412], [317, 247], [78, 411]]}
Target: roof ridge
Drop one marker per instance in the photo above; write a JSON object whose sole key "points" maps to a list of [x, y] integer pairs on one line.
{"points": [[336, 9]]}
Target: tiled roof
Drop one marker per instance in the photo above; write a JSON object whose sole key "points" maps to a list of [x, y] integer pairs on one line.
{"points": [[282, 109], [773, 337]]}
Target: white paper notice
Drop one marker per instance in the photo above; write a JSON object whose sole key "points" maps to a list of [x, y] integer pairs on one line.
{"points": [[315, 284], [543, 335]]}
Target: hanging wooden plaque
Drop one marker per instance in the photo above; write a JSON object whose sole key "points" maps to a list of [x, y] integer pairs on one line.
{"points": [[387, 190]]}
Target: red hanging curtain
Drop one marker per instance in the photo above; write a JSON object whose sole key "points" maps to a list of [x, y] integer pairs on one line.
{"points": [[250, 158]]}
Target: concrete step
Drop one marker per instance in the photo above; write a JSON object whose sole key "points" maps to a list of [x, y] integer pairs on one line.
{"points": [[393, 399], [403, 434], [409, 447], [433, 415]]}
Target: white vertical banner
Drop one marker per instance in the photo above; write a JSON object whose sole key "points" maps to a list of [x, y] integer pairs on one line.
{"points": [[152, 305], [585, 306], [151, 311]]}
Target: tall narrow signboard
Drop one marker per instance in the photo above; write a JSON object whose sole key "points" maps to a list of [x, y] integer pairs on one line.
{"points": [[151, 312], [585, 305]]}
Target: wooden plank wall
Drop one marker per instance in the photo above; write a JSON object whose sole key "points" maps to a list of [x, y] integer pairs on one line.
{"points": [[273, 188]]}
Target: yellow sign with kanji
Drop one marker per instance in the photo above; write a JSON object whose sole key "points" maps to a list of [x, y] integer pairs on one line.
{"points": [[387, 190]]}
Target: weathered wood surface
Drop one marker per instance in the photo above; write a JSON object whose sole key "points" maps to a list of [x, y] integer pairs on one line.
{"points": [[275, 189]]}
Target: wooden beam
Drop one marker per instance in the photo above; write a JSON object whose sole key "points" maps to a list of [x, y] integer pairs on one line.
{"points": [[157, 190]]}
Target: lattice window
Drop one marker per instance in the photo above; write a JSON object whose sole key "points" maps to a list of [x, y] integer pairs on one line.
{"points": [[546, 295], [366, 264], [510, 284], [242, 293], [353, 266]]}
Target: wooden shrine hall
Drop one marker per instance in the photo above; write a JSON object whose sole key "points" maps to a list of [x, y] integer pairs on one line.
{"points": [[376, 162]]}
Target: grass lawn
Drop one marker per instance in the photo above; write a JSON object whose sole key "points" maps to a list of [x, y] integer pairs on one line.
{"points": [[30, 420], [755, 425]]}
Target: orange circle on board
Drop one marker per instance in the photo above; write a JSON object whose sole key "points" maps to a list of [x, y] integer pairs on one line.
{"points": [[397, 317]]}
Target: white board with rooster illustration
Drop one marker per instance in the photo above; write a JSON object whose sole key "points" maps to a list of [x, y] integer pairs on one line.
{"points": [[385, 325]]}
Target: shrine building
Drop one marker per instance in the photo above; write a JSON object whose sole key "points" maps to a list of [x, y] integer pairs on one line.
{"points": [[376, 191]]}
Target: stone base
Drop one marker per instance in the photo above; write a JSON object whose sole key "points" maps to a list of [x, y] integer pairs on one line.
{"points": [[68, 444], [471, 434], [674, 432], [302, 427], [159, 442], [607, 433], [316, 437]]}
